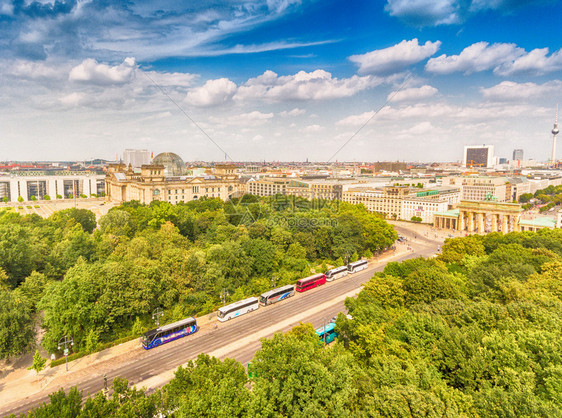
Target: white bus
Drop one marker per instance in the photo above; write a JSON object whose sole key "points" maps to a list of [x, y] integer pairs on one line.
{"points": [[336, 273], [276, 295], [357, 266], [238, 308]]}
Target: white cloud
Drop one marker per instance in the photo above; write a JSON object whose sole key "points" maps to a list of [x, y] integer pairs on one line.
{"points": [[535, 62], [294, 112], [90, 71], [511, 91], [503, 59], [395, 58], [424, 12], [250, 119], [212, 93], [421, 128], [312, 129], [480, 56], [355, 120], [315, 85], [413, 94], [34, 70]]}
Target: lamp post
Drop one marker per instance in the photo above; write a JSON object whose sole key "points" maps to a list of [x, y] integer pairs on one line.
{"points": [[224, 295], [156, 315], [66, 342]]}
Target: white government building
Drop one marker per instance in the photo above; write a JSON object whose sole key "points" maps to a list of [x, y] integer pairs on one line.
{"points": [[41, 183]]}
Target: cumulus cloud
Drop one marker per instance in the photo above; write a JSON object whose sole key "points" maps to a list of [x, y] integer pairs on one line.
{"points": [[356, 120], [311, 129], [212, 93], [92, 72], [413, 94], [535, 62], [294, 112], [480, 56], [395, 58], [246, 120], [511, 91], [34, 70], [504, 59], [315, 85]]}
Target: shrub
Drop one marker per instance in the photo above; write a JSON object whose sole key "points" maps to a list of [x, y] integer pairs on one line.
{"points": [[59, 196], [20, 199], [33, 198], [46, 197]]}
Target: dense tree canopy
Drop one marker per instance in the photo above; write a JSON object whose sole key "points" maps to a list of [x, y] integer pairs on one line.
{"points": [[94, 283], [426, 337]]}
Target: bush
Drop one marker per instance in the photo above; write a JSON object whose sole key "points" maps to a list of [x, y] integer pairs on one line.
{"points": [[59, 196], [83, 196], [5, 199], [46, 197], [29, 207], [35, 206], [416, 219], [20, 199], [70, 196], [33, 198]]}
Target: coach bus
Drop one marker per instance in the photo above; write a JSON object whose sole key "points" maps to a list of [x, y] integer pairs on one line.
{"points": [[276, 295], [327, 333], [310, 282], [336, 273], [357, 266], [167, 333], [238, 308]]}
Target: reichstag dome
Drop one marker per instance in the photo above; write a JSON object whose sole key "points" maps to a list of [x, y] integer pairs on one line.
{"points": [[173, 164]]}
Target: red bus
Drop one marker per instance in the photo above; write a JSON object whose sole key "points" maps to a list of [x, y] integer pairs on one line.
{"points": [[310, 282]]}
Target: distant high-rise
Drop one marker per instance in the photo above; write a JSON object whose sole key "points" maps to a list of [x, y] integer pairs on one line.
{"points": [[136, 157], [478, 156], [555, 132], [517, 155]]}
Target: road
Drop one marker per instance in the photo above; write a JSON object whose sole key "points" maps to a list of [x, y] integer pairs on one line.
{"points": [[141, 365]]}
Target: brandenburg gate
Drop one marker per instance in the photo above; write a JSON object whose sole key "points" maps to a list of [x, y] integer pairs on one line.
{"points": [[481, 217]]}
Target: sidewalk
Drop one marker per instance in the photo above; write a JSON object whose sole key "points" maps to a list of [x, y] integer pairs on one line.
{"points": [[16, 382]]}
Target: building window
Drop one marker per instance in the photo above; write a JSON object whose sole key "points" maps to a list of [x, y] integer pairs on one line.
{"points": [[195, 190]]}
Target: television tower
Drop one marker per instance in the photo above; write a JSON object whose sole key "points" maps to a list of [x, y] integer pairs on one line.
{"points": [[555, 131]]}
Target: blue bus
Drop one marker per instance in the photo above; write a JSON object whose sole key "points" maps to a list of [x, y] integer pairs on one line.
{"points": [[327, 333], [167, 333]]}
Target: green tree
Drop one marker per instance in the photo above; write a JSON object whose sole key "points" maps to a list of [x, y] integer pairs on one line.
{"points": [[38, 362], [16, 324], [208, 387], [5, 199], [20, 199]]}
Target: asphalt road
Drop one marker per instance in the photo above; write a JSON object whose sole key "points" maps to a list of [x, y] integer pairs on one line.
{"points": [[141, 364]]}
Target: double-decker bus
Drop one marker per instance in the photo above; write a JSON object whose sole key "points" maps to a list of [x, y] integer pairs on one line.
{"points": [[238, 308], [357, 266], [276, 295], [310, 282], [167, 333], [327, 333], [336, 273]]}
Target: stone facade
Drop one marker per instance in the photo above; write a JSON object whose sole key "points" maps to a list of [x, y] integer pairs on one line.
{"points": [[125, 185]]}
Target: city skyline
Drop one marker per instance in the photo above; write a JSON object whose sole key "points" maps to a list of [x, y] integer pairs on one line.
{"points": [[278, 79]]}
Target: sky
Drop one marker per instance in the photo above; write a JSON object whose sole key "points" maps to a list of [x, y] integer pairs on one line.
{"points": [[278, 80]]}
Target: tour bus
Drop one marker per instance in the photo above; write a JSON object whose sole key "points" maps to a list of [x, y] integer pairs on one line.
{"points": [[357, 266], [327, 333], [310, 282], [167, 333], [336, 273], [238, 308], [276, 295]]}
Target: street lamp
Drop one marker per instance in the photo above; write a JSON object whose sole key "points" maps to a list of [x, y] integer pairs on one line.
{"points": [[66, 342], [156, 315], [224, 295]]}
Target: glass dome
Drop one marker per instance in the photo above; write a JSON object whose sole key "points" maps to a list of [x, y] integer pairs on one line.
{"points": [[173, 164]]}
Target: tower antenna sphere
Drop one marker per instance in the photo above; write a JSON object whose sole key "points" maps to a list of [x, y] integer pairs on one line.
{"points": [[555, 132]]}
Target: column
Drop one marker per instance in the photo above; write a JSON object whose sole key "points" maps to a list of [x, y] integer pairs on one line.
{"points": [[470, 221], [480, 222], [505, 223], [516, 220], [494, 222], [460, 223]]}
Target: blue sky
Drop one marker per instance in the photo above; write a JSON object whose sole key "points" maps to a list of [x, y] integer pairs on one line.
{"points": [[278, 79]]}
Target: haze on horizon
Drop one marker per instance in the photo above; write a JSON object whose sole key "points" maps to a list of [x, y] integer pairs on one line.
{"points": [[278, 79]]}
